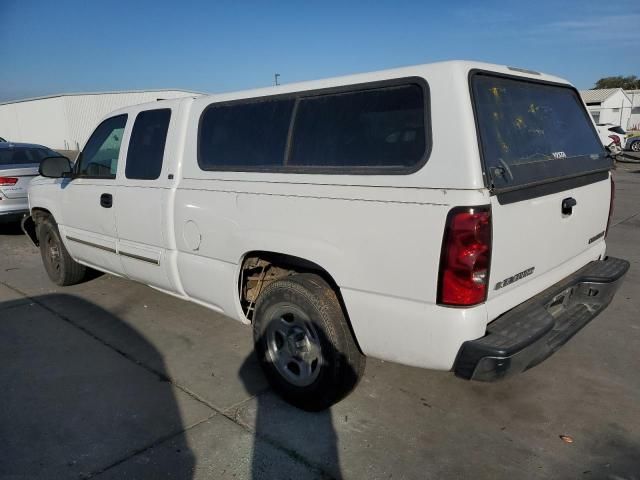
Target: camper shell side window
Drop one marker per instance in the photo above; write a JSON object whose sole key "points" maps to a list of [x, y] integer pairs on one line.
{"points": [[375, 128]]}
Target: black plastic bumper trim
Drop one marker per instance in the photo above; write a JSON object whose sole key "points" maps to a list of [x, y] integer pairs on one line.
{"points": [[535, 329]]}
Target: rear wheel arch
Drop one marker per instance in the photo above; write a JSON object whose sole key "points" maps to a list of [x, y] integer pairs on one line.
{"points": [[271, 266], [40, 213]]}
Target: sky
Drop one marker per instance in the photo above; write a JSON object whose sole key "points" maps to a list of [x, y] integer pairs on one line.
{"points": [[49, 47]]}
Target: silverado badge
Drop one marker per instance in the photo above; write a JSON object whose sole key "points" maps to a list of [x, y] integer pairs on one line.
{"points": [[514, 278]]}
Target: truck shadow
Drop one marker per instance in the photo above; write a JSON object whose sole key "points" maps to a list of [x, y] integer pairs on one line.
{"points": [[73, 406], [306, 439]]}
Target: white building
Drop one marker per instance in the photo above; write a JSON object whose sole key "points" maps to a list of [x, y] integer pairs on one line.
{"points": [[64, 122], [634, 120], [609, 105]]}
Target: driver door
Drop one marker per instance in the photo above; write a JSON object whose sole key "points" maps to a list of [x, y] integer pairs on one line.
{"points": [[88, 223]]}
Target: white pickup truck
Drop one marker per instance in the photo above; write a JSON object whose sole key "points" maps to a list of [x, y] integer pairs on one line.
{"points": [[449, 216]]}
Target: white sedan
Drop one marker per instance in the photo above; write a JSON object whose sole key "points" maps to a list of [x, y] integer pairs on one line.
{"points": [[19, 163], [612, 137]]}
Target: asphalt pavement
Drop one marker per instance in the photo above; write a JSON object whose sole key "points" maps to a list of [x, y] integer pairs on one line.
{"points": [[111, 379]]}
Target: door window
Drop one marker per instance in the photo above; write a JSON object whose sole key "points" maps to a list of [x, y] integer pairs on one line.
{"points": [[99, 159], [146, 147]]}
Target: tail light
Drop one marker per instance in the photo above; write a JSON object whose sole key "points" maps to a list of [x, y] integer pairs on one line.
{"points": [[612, 199], [465, 257], [615, 139], [8, 181]]}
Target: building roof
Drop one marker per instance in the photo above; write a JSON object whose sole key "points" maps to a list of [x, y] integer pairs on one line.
{"points": [[157, 90], [597, 96]]}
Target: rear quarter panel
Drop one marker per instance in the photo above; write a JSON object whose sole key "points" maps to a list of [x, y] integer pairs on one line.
{"points": [[381, 246]]}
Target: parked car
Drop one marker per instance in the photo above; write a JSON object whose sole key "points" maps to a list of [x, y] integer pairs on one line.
{"points": [[344, 218], [19, 163], [612, 137], [633, 143]]}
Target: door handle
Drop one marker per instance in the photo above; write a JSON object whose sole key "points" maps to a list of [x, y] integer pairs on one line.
{"points": [[106, 200], [567, 205]]}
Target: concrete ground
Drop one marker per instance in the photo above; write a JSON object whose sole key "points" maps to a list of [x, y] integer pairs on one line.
{"points": [[111, 379]]}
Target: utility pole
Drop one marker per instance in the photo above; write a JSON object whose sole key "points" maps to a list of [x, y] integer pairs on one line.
{"points": [[276, 77], [621, 109]]}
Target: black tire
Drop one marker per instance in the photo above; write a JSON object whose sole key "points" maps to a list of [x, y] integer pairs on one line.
{"points": [[340, 365], [61, 268], [635, 146]]}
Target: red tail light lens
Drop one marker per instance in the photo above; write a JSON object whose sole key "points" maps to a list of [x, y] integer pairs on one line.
{"points": [[465, 257], [612, 199], [615, 139], [7, 181]]}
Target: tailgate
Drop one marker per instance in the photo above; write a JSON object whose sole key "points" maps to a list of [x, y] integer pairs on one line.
{"points": [[15, 181], [534, 236]]}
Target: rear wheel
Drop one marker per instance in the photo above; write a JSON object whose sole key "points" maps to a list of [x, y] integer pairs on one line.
{"points": [[304, 342], [61, 268]]}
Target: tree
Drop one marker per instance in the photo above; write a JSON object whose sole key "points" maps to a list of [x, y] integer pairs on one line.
{"points": [[627, 83]]}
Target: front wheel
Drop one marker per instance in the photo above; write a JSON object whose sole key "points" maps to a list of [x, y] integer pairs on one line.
{"points": [[635, 146], [304, 343], [61, 268]]}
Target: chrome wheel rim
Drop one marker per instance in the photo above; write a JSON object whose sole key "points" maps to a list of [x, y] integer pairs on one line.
{"points": [[53, 254], [635, 147], [293, 345]]}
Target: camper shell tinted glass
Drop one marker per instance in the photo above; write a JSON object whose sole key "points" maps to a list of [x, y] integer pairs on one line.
{"points": [[381, 128], [375, 128], [532, 132], [244, 135]]}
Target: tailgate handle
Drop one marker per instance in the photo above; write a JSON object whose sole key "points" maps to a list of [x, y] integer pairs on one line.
{"points": [[106, 200], [567, 205]]}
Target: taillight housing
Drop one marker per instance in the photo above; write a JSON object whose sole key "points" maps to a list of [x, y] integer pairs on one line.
{"points": [[8, 181], [615, 139], [466, 257], [612, 199]]}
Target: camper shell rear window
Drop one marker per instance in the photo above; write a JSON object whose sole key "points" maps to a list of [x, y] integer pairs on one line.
{"points": [[532, 132]]}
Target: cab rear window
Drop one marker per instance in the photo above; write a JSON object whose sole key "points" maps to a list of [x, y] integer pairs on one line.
{"points": [[532, 132]]}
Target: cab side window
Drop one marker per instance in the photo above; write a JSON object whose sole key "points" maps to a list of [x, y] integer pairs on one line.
{"points": [[99, 159], [146, 147]]}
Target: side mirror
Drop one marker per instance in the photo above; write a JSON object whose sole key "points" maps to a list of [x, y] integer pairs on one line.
{"points": [[56, 167]]}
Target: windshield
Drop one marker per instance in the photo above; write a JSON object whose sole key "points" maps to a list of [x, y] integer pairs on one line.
{"points": [[532, 132], [24, 155]]}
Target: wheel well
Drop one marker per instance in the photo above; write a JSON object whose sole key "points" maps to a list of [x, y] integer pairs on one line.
{"points": [[30, 223], [260, 268], [39, 214]]}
